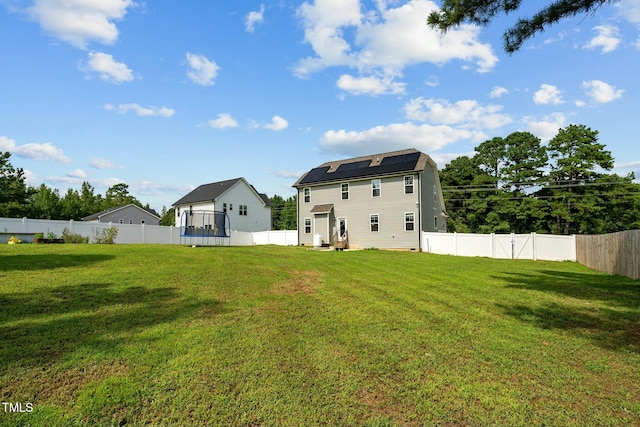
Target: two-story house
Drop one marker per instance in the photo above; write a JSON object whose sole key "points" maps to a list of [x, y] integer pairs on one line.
{"points": [[379, 201], [240, 203]]}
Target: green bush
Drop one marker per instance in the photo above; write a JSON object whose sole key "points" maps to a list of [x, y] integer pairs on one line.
{"points": [[70, 237], [105, 235]]}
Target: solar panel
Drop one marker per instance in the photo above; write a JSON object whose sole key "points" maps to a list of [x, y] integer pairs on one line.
{"points": [[391, 164], [353, 166]]}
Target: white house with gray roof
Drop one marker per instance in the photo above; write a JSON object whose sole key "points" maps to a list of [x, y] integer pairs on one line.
{"points": [[379, 201], [247, 210]]}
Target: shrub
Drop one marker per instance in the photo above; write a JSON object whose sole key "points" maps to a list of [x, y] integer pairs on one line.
{"points": [[105, 235], [70, 237]]}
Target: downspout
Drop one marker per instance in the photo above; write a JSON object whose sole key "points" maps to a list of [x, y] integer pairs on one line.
{"points": [[298, 215], [419, 213]]}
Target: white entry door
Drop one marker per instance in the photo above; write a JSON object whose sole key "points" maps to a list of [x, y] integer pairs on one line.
{"points": [[342, 228]]}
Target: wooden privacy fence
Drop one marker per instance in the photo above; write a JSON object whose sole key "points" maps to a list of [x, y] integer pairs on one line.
{"points": [[615, 253]]}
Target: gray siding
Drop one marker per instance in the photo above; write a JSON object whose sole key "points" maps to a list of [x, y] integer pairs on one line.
{"points": [[130, 215], [390, 207]]}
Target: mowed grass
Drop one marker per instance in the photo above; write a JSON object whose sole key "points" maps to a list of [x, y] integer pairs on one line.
{"points": [[172, 335]]}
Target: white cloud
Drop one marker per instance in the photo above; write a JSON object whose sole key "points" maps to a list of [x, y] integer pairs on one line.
{"points": [[370, 85], [607, 39], [467, 114], [627, 165], [223, 121], [36, 151], [141, 111], [31, 179], [78, 174], [394, 137], [99, 163], [384, 41], [601, 92], [498, 91], [547, 127], [107, 68], [79, 22], [277, 124], [202, 71], [629, 10], [253, 18], [547, 94], [290, 174]]}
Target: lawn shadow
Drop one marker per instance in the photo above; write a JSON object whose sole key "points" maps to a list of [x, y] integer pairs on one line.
{"points": [[612, 321], [24, 262], [41, 326]]}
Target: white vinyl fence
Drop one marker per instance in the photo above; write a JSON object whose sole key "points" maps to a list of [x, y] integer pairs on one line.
{"points": [[506, 246], [25, 228]]}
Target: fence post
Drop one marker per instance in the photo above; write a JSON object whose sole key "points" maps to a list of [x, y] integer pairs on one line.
{"points": [[534, 247], [493, 245], [455, 243]]}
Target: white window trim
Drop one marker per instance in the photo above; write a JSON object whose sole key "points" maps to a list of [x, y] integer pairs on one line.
{"points": [[410, 222], [343, 191], [379, 188], [306, 193], [413, 189], [377, 223], [304, 225]]}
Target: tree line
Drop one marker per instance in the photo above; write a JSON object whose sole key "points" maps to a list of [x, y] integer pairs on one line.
{"points": [[18, 200], [516, 184], [512, 184]]}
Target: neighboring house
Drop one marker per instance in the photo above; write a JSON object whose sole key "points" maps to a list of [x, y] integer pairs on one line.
{"points": [[247, 209], [128, 214], [378, 201]]}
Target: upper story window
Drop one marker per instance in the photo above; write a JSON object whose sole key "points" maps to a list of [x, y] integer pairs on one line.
{"points": [[435, 194], [345, 191], [376, 188], [224, 207], [307, 195], [243, 210], [408, 184]]}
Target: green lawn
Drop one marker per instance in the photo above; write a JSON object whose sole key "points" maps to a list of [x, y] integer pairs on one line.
{"points": [[170, 335]]}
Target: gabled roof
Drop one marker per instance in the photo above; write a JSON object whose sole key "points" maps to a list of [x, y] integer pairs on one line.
{"points": [[210, 192], [98, 215], [391, 163]]}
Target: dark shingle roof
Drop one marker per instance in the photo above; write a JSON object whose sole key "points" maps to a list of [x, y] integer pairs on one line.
{"points": [[97, 215], [366, 166], [207, 192]]}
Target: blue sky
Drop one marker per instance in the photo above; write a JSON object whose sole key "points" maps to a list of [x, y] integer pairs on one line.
{"points": [[165, 96]]}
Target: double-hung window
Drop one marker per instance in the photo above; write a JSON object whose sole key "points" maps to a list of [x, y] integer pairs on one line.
{"points": [[408, 184], [344, 188], [243, 210], [409, 221], [307, 226], [374, 220], [376, 188], [307, 195]]}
